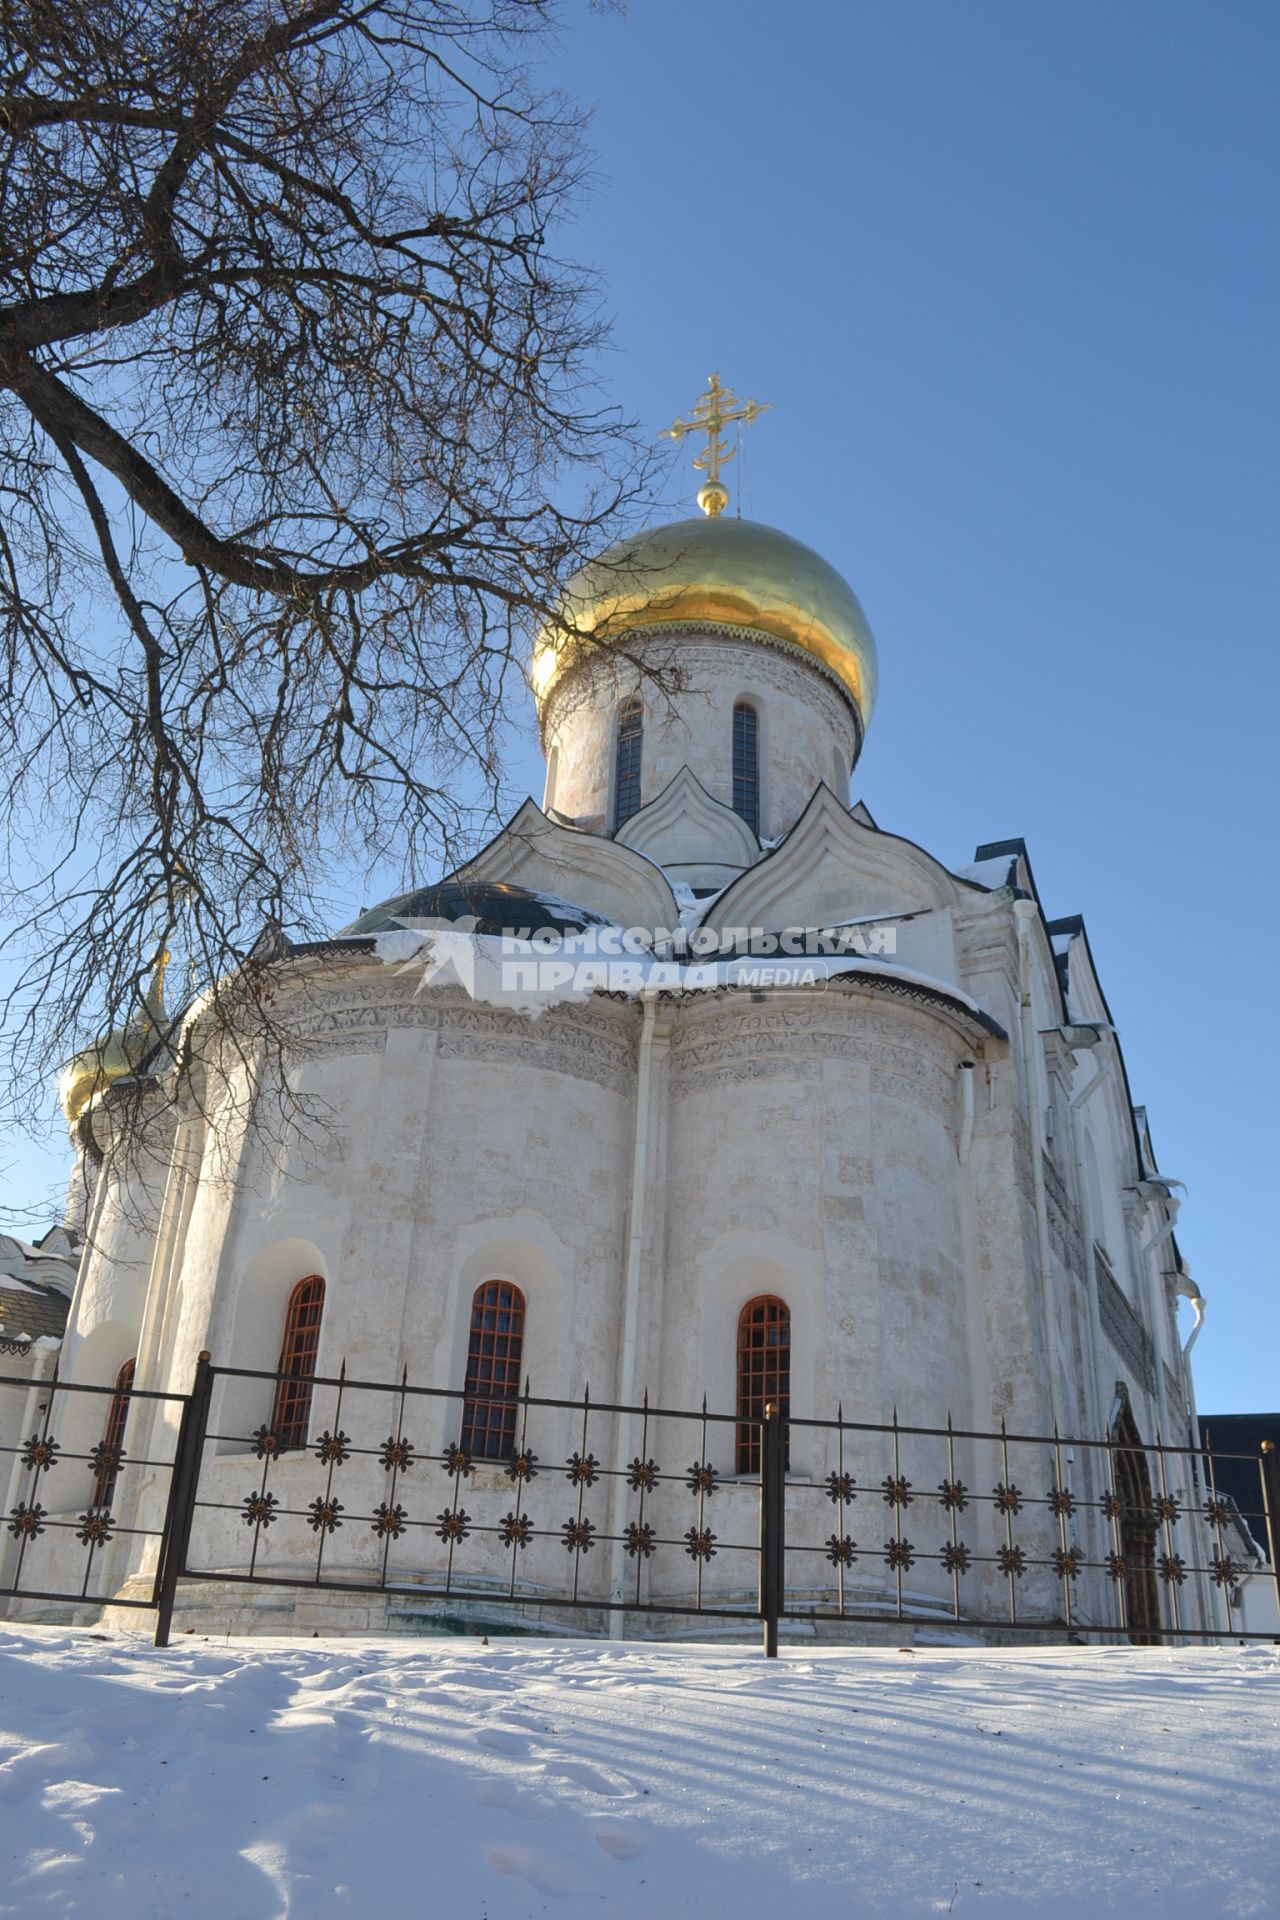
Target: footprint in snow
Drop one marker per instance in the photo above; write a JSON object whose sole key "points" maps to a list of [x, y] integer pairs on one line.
{"points": [[508, 1798], [620, 1839], [502, 1740], [589, 1777], [539, 1869]]}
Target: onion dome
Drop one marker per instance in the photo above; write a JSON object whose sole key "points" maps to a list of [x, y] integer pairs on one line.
{"points": [[123, 1053], [485, 906], [722, 573]]}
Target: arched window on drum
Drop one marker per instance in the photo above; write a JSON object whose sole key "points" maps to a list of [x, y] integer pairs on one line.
{"points": [[492, 1387], [626, 780], [109, 1452], [764, 1371], [291, 1409], [746, 764]]}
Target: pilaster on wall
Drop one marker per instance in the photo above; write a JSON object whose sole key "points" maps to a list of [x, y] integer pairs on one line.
{"points": [[653, 1244]]}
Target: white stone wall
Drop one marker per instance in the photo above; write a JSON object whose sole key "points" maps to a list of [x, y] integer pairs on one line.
{"points": [[689, 681], [804, 1143]]}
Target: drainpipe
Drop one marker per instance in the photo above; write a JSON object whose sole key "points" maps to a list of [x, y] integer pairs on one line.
{"points": [[631, 1292], [966, 1110], [1191, 1292], [1026, 912], [1157, 1316]]}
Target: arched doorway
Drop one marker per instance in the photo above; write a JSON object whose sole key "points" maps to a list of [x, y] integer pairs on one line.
{"points": [[1136, 1523]]}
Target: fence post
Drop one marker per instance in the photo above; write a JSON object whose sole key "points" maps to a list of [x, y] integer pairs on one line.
{"points": [[773, 1495], [1269, 1467], [182, 1496]]}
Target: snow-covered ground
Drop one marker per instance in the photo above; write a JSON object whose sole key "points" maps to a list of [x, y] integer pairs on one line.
{"points": [[254, 1779]]}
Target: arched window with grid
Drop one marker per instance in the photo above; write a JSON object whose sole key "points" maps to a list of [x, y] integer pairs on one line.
{"points": [[746, 764], [626, 782], [492, 1385], [109, 1452], [764, 1371], [291, 1409]]}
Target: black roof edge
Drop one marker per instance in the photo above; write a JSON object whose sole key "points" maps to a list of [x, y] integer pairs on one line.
{"points": [[878, 982], [992, 849], [336, 943], [1074, 923]]}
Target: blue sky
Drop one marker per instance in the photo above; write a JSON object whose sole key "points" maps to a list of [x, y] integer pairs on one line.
{"points": [[1009, 276]]}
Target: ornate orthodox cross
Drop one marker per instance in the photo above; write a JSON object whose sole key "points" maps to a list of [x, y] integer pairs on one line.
{"points": [[718, 408]]}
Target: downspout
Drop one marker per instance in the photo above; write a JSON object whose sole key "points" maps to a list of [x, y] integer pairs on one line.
{"points": [[1157, 1316], [1193, 1417], [1025, 912], [966, 1111], [631, 1293]]}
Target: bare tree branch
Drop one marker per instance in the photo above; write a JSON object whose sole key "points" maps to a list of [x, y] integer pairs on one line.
{"points": [[297, 442]]}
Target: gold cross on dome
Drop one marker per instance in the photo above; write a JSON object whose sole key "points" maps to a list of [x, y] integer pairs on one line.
{"points": [[718, 408]]}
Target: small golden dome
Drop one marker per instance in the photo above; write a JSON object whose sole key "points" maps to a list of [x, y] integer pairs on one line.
{"points": [[98, 1067], [716, 572]]}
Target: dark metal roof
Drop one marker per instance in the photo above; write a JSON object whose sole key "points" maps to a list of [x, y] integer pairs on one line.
{"points": [[32, 1310], [1240, 1480], [492, 906]]}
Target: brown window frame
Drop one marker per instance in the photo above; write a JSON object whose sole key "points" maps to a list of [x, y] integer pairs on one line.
{"points": [[112, 1442], [299, 1349], [759, 1382], [495, 1352]]}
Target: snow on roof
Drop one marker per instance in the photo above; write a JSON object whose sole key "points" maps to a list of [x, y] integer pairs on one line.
{"points": [[998, 871]]}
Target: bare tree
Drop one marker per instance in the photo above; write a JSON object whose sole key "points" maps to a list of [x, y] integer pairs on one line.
{"points": [[297, 437]]}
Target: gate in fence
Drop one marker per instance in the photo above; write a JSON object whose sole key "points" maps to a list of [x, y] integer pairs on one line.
{"points": [[576, 1512]]}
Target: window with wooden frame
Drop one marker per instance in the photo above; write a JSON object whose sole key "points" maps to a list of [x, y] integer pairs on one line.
{"points": [[291, 1408], [109, 1452], [492, 1386], [746, 764], [626, 782], [764, 1371]]}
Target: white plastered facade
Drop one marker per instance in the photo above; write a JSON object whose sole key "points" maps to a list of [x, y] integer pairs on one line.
{"points": [[806, 1142]]}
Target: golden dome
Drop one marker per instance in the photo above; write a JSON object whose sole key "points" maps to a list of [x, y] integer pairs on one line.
{"points": [[721, 572], [98, 1067]]}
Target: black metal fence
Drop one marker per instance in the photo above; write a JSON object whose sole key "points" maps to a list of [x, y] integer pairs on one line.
{"points": [[91, 1497], [602, 1510]]}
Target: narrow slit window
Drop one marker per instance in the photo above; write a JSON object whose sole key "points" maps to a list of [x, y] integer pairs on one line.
{"points": [[764, 1371], [746, 764], [492, 1387], [626, 785], [110, 1451], [291, 1410]]}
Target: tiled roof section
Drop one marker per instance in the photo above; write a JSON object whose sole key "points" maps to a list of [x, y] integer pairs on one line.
{"points": [[32, 1310]]}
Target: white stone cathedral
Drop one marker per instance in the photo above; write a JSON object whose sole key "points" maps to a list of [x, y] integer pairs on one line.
{"points": [[802, 1086]]}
